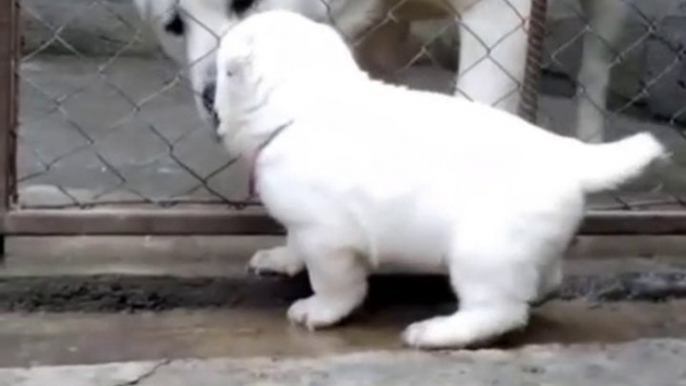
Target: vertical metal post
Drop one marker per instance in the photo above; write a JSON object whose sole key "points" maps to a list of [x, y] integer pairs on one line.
{"points": [[9, 48], [529, 104]]}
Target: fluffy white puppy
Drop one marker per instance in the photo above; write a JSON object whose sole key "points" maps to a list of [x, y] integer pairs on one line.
{"points": [[363, 173]]}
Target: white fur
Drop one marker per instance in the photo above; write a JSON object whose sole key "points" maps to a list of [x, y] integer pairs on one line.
{"points": [[367, 174]]}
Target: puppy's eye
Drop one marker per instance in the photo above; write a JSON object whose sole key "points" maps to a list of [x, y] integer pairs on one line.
{"points": [[175, 26], [240, 7]]}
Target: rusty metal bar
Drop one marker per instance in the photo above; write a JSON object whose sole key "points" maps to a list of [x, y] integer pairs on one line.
{"points": [[9, 47], [528, 107], [210, 221]]}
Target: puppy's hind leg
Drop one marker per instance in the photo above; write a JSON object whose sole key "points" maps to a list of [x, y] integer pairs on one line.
{"points": [[339, 280], [494, 290]]}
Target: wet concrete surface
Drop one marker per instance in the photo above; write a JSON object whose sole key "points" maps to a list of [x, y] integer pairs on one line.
{"points": [[99, 300], [86, 320], [89, 338]]}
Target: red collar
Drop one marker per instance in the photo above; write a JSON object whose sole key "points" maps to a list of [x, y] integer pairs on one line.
{"points": [[253, 195]]}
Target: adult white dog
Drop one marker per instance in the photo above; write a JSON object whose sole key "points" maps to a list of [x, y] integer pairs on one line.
{"points": [[361, 176], [493, 41]]}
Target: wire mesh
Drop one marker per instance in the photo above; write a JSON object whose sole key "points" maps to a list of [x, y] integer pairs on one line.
{"points": [[612, 68], [105, 119], [111, 96]]}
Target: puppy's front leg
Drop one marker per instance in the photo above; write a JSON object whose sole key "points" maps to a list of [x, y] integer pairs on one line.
{"points": [[339, 281]]}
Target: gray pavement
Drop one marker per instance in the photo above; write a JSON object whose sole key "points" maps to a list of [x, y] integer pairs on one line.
{"points": [[640, 363], [115, 306]]}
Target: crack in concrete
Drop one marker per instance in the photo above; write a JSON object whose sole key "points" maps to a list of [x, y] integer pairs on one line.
{"points": [[146, 375]]}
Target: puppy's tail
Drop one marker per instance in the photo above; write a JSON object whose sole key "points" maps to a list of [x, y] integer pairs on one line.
{"points": [[605, 166]]}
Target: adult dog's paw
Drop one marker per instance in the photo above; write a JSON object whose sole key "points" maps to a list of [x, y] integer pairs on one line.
{"points": [[276, 261]]}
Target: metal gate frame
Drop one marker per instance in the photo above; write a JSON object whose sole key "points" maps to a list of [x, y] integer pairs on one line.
{"points": [[212, 220]]}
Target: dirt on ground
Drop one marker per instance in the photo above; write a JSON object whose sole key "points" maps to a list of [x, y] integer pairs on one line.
{"points": [[108, 293]]}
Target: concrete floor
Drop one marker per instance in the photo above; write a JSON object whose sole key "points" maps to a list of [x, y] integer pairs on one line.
{"points": [[95, 338], [97, 300], [653, 362]]}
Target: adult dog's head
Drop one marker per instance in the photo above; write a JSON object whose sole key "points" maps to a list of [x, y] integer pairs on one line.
{"points": [[190, 31]]}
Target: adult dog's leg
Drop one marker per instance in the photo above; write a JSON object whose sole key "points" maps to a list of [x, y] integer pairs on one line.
{"points": [[493, 46], [606, 19], [339, 280]]}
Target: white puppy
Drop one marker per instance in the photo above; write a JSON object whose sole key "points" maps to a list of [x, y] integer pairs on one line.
{"points": [[360, 176]]}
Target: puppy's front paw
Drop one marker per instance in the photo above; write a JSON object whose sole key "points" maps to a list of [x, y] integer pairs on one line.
{"points": [[315, 313], [279, 261]]}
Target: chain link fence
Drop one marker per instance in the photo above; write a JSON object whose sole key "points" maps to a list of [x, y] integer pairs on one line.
{"points": [[110, 97], [104, 119], [605, 69], [615, 67]]}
